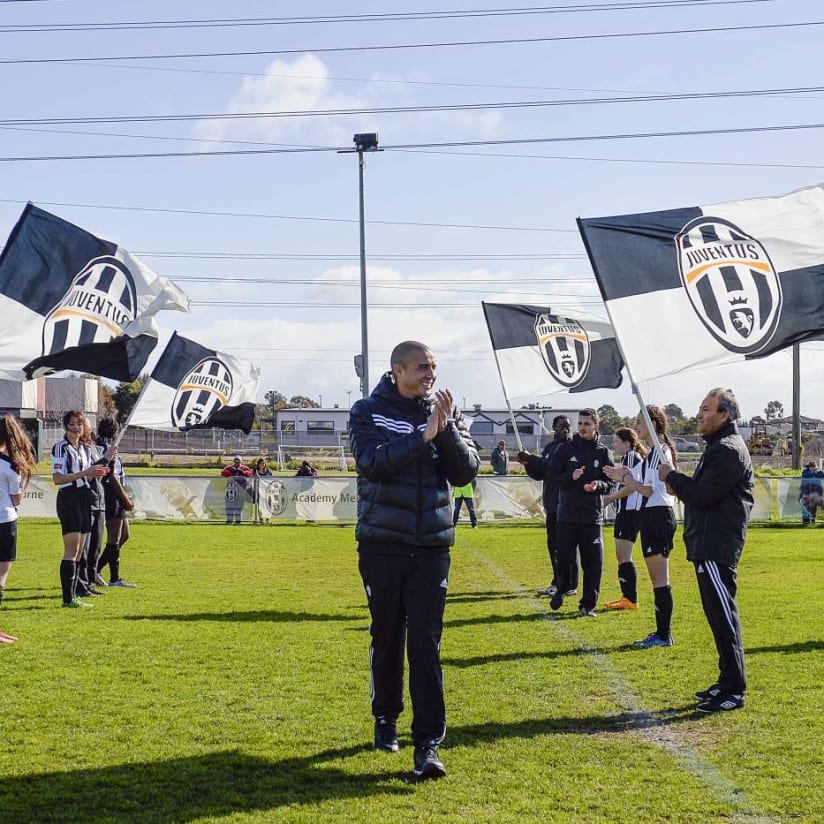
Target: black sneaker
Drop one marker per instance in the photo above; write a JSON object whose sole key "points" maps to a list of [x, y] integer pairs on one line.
{"points": [[710, 692], [722, 703], [386, 736], [557, 601], [427, 763]]}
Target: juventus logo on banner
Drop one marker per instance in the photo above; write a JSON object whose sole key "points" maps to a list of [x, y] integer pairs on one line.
{"points": [[100, 302], [731, 283], [204, 389], [565, 348]]}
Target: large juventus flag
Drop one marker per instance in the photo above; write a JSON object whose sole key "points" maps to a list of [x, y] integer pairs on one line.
{"points": [[710, 284], [193, 388], [70, 300], [540, 352]]}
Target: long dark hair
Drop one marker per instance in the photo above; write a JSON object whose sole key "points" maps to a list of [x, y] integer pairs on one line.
{"points": [[659, 420], [18, 445], [630, 436]]}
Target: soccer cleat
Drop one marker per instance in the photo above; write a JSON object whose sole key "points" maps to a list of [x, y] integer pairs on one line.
{"points": [[653, 640], [622, 603], [76, 603], [556, 602], [386, 736], [722, 703], [122, 583], [710, 692], [427, 763], [547, 591], [587, 613], [99, 580]]}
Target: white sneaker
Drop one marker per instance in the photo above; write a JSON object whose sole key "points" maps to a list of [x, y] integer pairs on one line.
{"points": [[122, 583], [99, 580], [548, 591]]}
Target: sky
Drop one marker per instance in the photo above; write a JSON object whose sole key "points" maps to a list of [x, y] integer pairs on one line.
{"points": [[266, 244]]}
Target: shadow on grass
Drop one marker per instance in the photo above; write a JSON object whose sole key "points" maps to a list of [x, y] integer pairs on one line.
{"points": [[497, 658], [228, 783], [264, 615], [185, 789], [495, 619], [482, 596], [788, 649]]}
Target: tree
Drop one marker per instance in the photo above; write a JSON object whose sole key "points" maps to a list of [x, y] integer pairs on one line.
{"points": [[774, 409], [125, 396], [302, 402], [106, 406], [610, 419], [674, 412], [276, 399]]}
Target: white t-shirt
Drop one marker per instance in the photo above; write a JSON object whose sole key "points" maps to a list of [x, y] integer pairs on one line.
{"points": [[646, 473], [9, 485]]}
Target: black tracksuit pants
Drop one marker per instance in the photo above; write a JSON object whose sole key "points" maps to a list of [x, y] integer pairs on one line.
{"points": [[552, 549], [407, 595], [588, 540], [718, 585]]}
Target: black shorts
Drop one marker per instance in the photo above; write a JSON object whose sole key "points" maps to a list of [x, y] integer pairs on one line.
{"points": [[8, 541], [627, 524], [74, 508], [657, 530], [114, 506]]}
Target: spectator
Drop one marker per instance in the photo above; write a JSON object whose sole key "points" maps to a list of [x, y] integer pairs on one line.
{"points": [[237, 472], [810, 492], [465, 495], [499, 458], [306, 470], [262, 469]]}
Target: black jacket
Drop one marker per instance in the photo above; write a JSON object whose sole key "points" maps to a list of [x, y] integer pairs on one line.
{"points": [[717, 499], [575, 504], [403, 483], [537, 467]]}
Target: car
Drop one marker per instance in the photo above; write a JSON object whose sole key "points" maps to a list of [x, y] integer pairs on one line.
{"points": [[683, 445]]}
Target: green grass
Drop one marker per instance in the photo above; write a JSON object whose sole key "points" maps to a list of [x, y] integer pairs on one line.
{"points": [[232, 686]]}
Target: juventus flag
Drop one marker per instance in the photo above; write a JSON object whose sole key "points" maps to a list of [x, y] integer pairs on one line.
{"points": [[709, 284], [540, 352], [193, 388], [70, 300]]}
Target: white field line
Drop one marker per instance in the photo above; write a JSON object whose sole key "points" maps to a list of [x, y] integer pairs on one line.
{"points": [[649, 727]]}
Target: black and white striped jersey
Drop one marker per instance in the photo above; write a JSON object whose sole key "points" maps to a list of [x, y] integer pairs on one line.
{"points": [[633, 501], [67, 459], [647, 473]]}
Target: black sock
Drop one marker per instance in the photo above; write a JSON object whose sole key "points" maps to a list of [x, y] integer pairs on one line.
{"points": [[628, 581], [114, 562], [77, 584], [663, 610], [67, 580]]}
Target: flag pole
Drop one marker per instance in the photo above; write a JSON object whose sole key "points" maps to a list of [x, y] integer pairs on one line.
{"points": [[656, 444], [508, 404], [122, 430]]}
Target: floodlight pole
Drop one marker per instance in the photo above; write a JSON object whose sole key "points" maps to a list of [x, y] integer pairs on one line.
{"points": [[363, 299], [796, 456], [364, 142]]}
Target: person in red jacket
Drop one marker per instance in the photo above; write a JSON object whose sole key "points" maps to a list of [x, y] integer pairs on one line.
{"points": [[237, 472]]}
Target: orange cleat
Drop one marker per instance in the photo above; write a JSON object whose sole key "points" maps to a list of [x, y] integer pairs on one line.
{"points": [[622, 603]]}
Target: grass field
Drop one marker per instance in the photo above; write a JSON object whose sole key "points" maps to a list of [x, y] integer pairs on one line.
{"points": [[232, 686]]}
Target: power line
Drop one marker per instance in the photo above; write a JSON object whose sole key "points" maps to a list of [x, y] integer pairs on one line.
{"points": [[286, 256], [453, 107], [509, 41], [139, 25], [504, 155], [356, 306], [441, 145], [259, 215]]}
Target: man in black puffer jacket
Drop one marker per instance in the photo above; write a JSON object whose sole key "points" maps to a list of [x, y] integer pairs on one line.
{"points": [[717, 503], [578, 467], [408, 447]]}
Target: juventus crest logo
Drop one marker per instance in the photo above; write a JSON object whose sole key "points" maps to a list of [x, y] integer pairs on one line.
{"points": [[564, 348], [731, 283], [203, 391], [98, 304]]}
